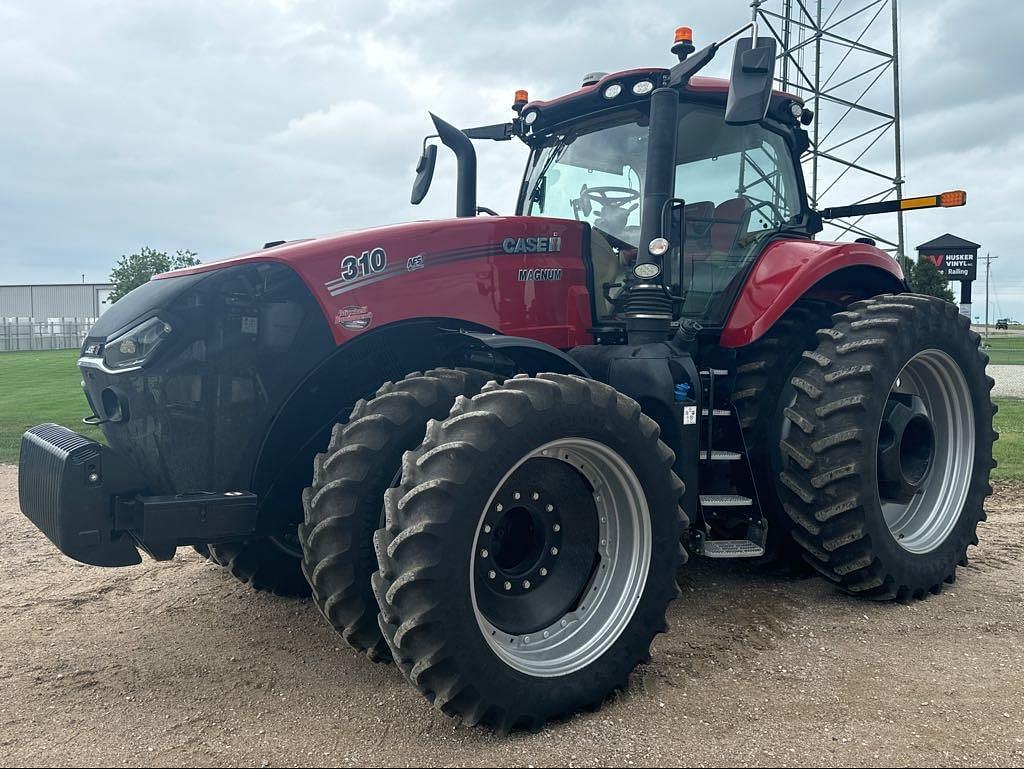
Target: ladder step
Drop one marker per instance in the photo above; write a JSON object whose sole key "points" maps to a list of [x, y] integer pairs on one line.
{"points": [[732, 548], [722, 456], [725, 500], [719, 412]]}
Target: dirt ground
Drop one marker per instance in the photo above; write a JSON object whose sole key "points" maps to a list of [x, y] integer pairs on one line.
{"points": [[176, 664]]}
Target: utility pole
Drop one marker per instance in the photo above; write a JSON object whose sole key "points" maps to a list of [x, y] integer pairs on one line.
{"points": [[988, 272]]}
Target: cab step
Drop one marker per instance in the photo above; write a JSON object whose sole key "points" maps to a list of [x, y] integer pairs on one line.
{"points": [[732, 548], [722, 456], [725, 500]]}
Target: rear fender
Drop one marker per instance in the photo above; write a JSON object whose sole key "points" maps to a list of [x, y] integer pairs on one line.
{"points": [[789, 270]]}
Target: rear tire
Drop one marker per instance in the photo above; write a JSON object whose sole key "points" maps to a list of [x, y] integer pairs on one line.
{"points": [[889, 447], [344, 506], [763, 371], [475, 642]]}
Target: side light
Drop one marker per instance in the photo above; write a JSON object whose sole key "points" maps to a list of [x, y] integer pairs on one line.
{"points": [[531, 117], [658, 247], [612, 91], [953, 199]]}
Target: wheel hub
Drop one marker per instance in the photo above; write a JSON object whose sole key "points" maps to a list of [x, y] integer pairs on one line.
{"points": [[906, 447], [588, 586], [532, 562], [926, 444]]}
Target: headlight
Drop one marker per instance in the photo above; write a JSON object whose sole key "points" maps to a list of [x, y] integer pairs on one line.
{"points": [[612, 91], [643, 87], [136, 346]]}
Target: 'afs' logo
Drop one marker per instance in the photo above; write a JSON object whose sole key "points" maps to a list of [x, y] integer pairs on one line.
{"points": [[531, 245]]}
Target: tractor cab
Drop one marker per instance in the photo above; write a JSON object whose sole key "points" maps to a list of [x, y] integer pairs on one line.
{"points": [[680, 179], [736, 185]]}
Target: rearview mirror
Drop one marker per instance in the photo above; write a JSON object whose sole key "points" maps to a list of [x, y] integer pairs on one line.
{"points": [[424, 174], [750, 88]]}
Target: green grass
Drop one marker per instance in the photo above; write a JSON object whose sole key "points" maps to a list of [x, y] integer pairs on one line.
{"points": [[1009, 448], [1008, 350], [40, 387]]}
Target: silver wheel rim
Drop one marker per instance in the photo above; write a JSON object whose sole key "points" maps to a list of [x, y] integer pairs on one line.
{"points": [[609, 601], [926, 521]]}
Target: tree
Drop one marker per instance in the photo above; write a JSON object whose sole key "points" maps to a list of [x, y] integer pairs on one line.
{"points": [[132, 271], [926, 278]]}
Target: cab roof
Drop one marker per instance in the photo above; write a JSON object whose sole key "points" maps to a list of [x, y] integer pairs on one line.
{"points": [[588, 98]]}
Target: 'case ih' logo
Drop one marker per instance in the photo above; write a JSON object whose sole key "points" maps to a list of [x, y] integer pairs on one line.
{"points": [[531, 245]]}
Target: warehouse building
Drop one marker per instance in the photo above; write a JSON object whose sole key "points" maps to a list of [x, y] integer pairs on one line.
{"points": [[50, 317]]}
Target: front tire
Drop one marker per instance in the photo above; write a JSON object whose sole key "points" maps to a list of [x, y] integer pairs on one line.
{"points": [[267, 565], [889, 447], [531, 551], [344, 506]]}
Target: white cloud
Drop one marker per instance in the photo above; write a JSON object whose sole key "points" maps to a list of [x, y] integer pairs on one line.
{"points": [[218, 126]]}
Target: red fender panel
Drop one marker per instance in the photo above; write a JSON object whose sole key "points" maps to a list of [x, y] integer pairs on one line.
{"points": [[786, 271]]}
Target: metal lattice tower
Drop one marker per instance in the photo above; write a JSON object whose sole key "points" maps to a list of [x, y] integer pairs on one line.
{"points": [[842, 58]]}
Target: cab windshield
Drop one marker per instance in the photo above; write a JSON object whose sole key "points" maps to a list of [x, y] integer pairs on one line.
{"points": [[739, 184]]}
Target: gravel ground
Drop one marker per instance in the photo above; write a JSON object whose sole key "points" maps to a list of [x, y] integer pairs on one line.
{"points": [[176, 664], [1009, 381]]}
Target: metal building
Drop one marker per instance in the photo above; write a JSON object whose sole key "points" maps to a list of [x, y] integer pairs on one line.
{"points": [[50, 317]]}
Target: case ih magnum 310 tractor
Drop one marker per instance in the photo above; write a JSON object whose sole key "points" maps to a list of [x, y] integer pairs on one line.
{"points": [[487, 445]]}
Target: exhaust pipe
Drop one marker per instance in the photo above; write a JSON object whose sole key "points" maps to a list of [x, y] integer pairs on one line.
{"points": [[459, 143]]}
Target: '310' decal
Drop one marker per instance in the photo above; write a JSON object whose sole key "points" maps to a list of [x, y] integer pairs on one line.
{"points": [[367, 263]]}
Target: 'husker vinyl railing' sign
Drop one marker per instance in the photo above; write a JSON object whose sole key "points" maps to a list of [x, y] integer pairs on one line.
{"points": [[962, 266]]}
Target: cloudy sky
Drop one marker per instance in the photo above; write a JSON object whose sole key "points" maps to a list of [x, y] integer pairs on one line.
{"points": [[219, 125]]}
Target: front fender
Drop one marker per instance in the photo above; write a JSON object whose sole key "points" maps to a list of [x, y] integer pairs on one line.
{"points": [[788, 270]]}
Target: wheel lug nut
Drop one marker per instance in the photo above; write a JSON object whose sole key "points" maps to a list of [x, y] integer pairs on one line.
{"points": [[499, 507], [491, 575], [508, 585], [526, 585], [535, 496], [557, 527], [564, 623], [550, 508], [516, 495], [546, 633], [543, 572], [484, 553], [554, 551], [487, 529]]}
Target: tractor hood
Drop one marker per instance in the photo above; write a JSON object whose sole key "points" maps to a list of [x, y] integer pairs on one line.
{"points": [[386, 274], [409, 236]]}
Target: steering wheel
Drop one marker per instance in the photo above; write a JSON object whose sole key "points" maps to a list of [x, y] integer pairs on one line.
{"points": [[613, 197]]}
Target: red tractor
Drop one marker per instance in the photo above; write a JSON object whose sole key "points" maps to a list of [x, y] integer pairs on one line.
{"points": [[520, 426]]}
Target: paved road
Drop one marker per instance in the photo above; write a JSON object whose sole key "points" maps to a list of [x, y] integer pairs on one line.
{"points": [[175, 663]]}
